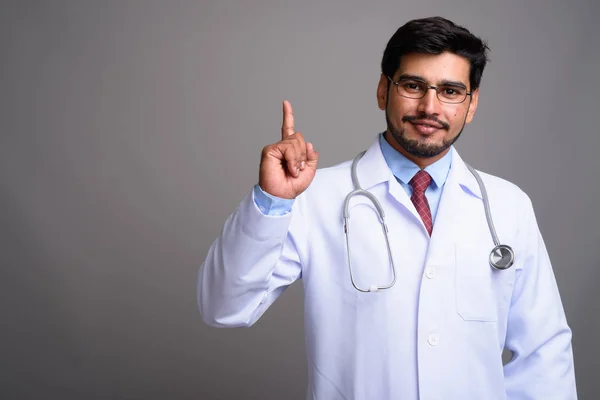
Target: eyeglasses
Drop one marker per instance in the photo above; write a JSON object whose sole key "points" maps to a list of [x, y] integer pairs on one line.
{"points": [[414, 89]]}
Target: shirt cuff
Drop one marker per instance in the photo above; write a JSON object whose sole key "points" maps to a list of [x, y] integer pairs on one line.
{"points": [[271, 205]]}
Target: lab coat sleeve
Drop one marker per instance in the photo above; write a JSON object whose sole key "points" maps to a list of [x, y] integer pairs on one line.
{"points": [[537, 331], [248, 267]]}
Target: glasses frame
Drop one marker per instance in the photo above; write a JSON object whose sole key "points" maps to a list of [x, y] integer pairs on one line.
{"points": [[437, 92]]}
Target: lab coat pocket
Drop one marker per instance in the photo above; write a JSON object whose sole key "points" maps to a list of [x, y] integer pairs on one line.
{"points": [[475, 300]]}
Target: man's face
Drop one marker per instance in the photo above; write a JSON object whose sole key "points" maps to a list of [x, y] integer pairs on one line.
{"points": [[423, 129]]}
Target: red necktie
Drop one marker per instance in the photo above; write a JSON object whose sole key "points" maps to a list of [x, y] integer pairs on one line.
{"points": [[420, 182]]}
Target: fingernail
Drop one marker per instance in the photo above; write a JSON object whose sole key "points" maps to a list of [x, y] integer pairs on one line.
{"points": [[297, 170], [302, 165]]}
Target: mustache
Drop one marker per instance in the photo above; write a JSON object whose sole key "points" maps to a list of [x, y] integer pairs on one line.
{"points": [[425, 117]]}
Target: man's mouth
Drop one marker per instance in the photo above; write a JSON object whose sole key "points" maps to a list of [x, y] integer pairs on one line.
{"points": [[427, 124], [426, 127]]}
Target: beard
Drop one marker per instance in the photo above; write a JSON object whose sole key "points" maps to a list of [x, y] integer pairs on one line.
{"points": [[416, 147]]}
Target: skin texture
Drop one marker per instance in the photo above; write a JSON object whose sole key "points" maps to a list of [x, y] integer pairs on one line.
{"points": [[406, 117]]}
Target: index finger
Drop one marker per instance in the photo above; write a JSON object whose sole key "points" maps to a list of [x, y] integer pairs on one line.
{"points": [[287, 128]]}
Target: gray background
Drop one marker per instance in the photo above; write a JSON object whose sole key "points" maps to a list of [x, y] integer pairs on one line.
{"points": [[130, 130]]}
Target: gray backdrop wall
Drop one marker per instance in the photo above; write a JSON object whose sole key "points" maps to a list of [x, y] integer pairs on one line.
{"points": [[130, 130]]}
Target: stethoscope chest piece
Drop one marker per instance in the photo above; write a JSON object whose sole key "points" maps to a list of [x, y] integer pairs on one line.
{"points": [[502, 257]]}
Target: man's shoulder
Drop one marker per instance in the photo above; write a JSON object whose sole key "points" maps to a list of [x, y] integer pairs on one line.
{"points": [[501, 183], [334, 170], [503, 188], [330, 182], [333, 174]]}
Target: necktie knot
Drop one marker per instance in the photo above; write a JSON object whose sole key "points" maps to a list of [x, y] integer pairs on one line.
{"points": [[420, 182]]}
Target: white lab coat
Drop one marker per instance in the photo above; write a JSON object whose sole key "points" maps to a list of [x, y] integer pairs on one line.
{"points": [[439, 332]]}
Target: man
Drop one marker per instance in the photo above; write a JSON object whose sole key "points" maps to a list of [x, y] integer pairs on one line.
{"points": [[426, 317]]}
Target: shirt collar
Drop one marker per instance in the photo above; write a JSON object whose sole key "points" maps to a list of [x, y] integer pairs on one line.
{"points": [[373, 169], [404, 169]]}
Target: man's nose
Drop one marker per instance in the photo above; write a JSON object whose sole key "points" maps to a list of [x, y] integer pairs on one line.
{"points": [[430, 104]]}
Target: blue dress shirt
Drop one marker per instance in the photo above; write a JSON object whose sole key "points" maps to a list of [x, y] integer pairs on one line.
{"points": [[404, 170]]}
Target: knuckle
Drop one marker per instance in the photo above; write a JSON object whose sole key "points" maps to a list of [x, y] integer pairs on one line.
{"points": [[291, 153], [300, 143], [271, 149], [267, 149]]}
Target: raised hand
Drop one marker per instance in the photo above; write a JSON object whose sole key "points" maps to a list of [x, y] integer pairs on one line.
{"points": [[287, 167]]}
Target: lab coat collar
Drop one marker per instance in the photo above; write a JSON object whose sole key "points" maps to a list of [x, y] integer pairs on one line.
{"points": [[463, 176], [372, 170]]}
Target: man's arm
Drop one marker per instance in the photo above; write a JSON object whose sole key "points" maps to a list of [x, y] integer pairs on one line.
{"points": [[537, 333], [248, 267], [256, 256]]}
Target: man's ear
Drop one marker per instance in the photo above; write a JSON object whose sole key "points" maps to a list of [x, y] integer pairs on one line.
{"points": [[382, 90], [472, 105]]}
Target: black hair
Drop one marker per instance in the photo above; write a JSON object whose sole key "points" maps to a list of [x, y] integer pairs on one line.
{"points": [[435, 35]]}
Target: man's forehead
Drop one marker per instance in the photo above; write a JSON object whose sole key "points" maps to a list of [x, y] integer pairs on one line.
{"points": [[444, 66]]}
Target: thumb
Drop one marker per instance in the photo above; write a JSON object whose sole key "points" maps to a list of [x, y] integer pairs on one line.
{"points": [[311, 155]]}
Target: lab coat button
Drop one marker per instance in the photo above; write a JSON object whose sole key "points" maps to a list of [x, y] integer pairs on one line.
{"points": [[430, 272], [433, 339]]}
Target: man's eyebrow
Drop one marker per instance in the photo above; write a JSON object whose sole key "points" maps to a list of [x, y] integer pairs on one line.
{"points": [[407, 77], [445, 82], [459, 84]]}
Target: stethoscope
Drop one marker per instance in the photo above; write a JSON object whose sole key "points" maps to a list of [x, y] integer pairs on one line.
{"points": [[501, 257]]}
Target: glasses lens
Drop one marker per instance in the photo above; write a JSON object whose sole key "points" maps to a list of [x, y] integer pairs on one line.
{"points": [[451, 94], [411, 89], [417, 90]]}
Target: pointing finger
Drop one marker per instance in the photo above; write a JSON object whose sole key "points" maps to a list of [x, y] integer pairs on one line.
{"points": [[287, 128]]}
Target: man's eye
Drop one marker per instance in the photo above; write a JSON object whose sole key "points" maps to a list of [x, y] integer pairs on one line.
{"points": [[449, 91], [413, 86]]}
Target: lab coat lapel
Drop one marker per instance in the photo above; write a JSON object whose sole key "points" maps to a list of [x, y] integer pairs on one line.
{"points": [[373, 170], [452, 208]]}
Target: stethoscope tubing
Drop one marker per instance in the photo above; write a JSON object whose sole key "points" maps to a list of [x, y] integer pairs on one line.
{"points": [[501, 257]]}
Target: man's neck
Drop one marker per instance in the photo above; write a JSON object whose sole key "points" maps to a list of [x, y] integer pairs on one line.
{"points": [[422, 162]]}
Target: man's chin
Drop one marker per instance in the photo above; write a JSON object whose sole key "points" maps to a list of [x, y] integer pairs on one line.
{"points": [[425, 148], [419, 145]]}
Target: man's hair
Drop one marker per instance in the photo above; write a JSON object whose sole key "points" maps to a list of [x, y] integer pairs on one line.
{"points": [[435, 35]]}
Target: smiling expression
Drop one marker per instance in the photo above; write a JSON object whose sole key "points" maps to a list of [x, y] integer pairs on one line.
{"points": [[424, 129]]}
